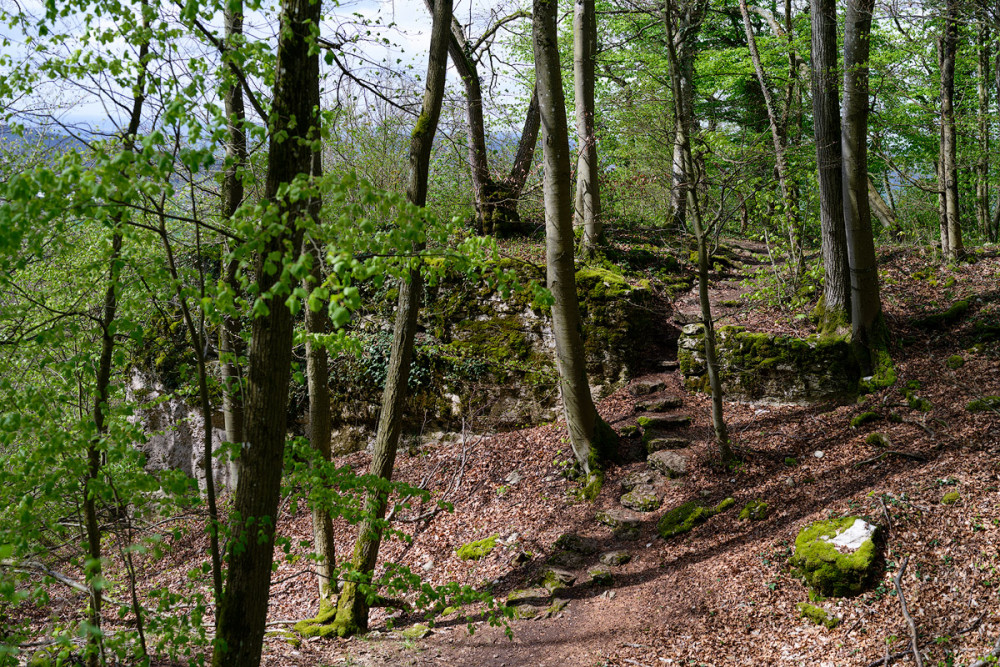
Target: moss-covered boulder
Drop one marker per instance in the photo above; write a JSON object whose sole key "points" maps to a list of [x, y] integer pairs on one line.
{"points": [[951, 498], [616, 558], [839, 557], [684, 517], [642, 498], [599, 575], [767, 367], [555, 578], [478, 549]]}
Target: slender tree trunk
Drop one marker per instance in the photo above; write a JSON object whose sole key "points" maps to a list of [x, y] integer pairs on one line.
{"points": [[869, 333], [994, 229], [983, 126], [778, 135], [293, 127], [588, 192], [318, 379], [835, 313], [352, 605], [231, 346], [701, 236], [942, 203], [949, 138], [588, 434], [884, 214]]}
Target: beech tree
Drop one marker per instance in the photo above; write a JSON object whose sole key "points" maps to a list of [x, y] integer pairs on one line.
{"points": [[587, 212], [593, 441]]}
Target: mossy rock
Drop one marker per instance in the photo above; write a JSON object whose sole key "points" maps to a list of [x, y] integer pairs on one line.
{"points": [[761, 366], [529, 603], [817, 615], [575, 543], [642, 498], [629, 431], [984, 404], [916, 402], [616, 558], [877, 440], [599, 575], [791, 461], [321, 626], [478, 549], [669, 462], [416, 631], [838, 557], [660, 404], [555, 578], [684, 517], [951, 498], [755, 510], [623, 523], [865, 418], [955, 361], [654, 423], [654, 444], [953, 314]]}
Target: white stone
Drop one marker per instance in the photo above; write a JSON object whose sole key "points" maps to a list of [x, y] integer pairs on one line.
{"points": [[818, 454], [852, 538]]}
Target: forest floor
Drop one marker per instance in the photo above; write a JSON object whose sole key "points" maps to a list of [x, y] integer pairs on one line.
{"points": [[723, 594]]}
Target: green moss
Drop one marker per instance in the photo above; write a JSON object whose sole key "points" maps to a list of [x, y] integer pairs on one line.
{"points": [[791, 462], [917, 403], [825, 568], [416, 631], [951, 498], [592, 487], [321, 626], [895, 418], [684, 517], [643, 421], [755, 510], [984, 404], [877, 440], [628, 431], [724, 505], [955, 361], [478, 549], [865, 418], [953, 314], [293, 639], [817, 615], [883, 372]]}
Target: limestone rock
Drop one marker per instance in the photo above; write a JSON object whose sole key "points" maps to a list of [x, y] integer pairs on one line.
{"points": [[644, 477], [657, 444], [642, 498], [529, 602], [598, 575], [624, 523], [658, 422], [768, 367], [567, 559], [616, 558], [670, 463], [660, 404], [575, 543], [646, 388], [838, 557], [555, 578]]}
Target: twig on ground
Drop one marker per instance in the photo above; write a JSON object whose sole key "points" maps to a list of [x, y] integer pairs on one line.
{"points": [[906, 614]]}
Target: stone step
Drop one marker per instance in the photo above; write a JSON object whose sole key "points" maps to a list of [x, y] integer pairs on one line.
{"points": [[660, 404], [661, 422], [668, 462], [641, 477], [624, 523], [643, 498], [659, 444], [670, 364], [646, 387]]}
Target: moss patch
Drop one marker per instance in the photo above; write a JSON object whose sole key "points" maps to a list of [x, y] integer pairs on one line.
{"points": [[755, 510], [955, 361], [953, 314], [984, 404], [321, 626], [865, 418], [877, 440], [791, 461], [828, 571], [817, 615], [951, 498], [684, 517], [417, 631], [478, 549]]}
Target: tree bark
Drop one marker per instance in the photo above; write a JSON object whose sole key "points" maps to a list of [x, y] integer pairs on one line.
{"points": [[868, 330], [885, 215], [836, 308], [293, 126], [231, 346], [701, 236], [983, 126], [778, 138], [587, 212], [588, 434], [949, 138], [352, 605]]}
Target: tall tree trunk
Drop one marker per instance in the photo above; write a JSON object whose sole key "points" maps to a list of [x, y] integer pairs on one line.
{"points": [[869, 334], [942, 201], [231, 346], [588, 192], [590, 437], [293, 126], [836, 307], [983, 126], [352, 605], [994, 229], [701, 236], [778, 134], [949, 138], [884, 214], [318, 380]]}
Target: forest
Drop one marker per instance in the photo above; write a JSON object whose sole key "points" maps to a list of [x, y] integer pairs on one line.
{"points": [[610, 332]]}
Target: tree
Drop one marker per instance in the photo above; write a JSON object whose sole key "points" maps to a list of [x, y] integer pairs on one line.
{"points": [[353, 605], [587, 212], [835, 307], [593, 441], [868, 331], [293, 127], [951, 247]]}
